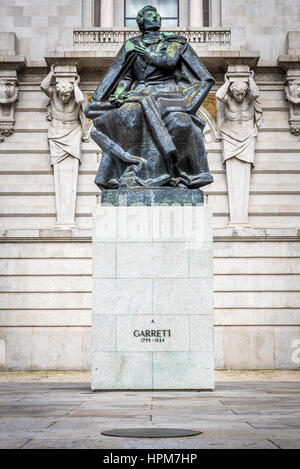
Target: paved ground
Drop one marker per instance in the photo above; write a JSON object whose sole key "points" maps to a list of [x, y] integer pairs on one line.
{"points": [[64, 414]]}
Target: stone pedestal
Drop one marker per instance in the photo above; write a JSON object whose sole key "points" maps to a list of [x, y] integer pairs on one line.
{"points": [[152, 323], [65, 182], [238, 183]]}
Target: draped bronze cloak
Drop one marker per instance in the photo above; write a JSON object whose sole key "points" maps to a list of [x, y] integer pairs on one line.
{"points": [[154, 137]]}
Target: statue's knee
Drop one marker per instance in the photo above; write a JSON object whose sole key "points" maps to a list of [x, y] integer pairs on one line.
{"points": [[182, 120]]}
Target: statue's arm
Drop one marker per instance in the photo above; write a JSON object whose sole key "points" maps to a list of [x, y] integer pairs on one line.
{"points": [[46, 83], [222, 93], [253, 89], [12, 99], [78, 94], [122, 87], [84, 124]]}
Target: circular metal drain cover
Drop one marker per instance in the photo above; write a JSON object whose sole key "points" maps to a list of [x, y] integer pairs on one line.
{"points": [[150, 432]]}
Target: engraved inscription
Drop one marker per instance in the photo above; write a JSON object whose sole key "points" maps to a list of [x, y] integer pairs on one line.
{"points": [[152, 335]]}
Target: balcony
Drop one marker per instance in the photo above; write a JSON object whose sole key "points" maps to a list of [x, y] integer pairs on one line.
{"points": [[89, 38], [95, 48]]}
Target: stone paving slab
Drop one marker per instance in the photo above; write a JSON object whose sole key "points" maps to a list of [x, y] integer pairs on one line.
{"points": [[287, 444], [240, 414], [285, 422], [34, 410], [13, 443], [162, 443]]}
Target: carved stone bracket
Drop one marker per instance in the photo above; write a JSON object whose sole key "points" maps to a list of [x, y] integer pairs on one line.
{"points": [[292, 91], [291, 65], [10, 65], [9, 92]]}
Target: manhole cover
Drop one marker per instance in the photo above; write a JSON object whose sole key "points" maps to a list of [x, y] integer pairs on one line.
{"points": [[150, 432]]}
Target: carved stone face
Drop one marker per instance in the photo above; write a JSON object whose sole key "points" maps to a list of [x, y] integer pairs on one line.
{"points": [[7, 89], [239, 90], [64, 91], [151, 20], [295, 89], [65, 97]]}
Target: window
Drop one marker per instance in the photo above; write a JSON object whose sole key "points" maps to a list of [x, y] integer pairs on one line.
{"points": [[97, 8], [206, 8], [168, 10]]}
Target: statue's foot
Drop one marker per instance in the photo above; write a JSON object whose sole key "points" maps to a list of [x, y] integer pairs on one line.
{"points": [[176, 182]]}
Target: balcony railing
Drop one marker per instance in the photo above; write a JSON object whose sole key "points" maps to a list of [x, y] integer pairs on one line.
{"points": [[102, 36]]}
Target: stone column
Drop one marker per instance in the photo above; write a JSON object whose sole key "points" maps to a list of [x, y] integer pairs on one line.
{"points": [[87, 9], [107, 14], [216, 13], [152, 320], [196, 13]]}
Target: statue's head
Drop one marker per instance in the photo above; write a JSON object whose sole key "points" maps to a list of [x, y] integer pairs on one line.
{"points": [[64, 90], [7, 88], [148, 19], [295, 88], [239, 90]]}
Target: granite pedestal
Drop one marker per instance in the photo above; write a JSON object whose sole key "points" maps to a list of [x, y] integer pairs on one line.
{"points": [[152, 322]]}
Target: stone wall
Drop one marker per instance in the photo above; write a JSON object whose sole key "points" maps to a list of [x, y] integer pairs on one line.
{"points": [[46, 275], [262, 25], [258, 25], [40, 25]]}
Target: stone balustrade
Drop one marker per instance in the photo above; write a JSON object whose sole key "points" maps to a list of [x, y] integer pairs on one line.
{"points": [[110, 36]]}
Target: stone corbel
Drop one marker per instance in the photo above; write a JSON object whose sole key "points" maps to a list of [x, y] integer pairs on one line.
{"points": [[290, 63], [292, 91], [9, 92]]}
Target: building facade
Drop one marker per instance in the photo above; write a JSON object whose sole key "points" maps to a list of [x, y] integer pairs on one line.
{"points": [[45, 277]]}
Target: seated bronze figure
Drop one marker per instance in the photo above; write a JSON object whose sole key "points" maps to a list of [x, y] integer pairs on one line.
{"points": [[144, 112]]}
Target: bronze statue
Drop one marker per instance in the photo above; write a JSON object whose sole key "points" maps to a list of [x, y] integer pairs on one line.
{"points": [[144, 112]]}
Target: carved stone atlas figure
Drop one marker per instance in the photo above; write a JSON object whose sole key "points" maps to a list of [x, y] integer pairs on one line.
{"points": [[144, 112], [240, 116], [68, 126]]}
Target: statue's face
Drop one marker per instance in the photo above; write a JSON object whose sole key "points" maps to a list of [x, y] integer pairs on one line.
{"points": [[7, 88], [65, 97], [152, 20], [239, 94], [295, 89], [64, 92]]}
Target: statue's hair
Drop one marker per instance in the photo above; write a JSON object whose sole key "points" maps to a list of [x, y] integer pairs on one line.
{"points": [[141, 13], [64, 86], [239, 86]]}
